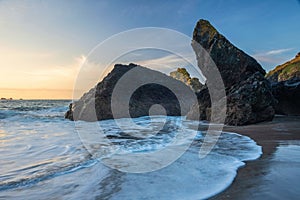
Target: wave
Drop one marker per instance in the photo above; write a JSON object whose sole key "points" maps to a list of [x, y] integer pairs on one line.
{"points": [[34, 150], [50, 173], [191, 177], [7, 114], [33, 114]]}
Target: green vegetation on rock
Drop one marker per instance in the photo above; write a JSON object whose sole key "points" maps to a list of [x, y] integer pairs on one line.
{"points": [[287, 71], [182, 75]]}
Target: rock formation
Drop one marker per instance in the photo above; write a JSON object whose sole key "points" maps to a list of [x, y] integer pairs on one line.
{"points": [[248, 93], [285, 80], [173, 95], [287, 94], [287, 71], [182, 75], [233, 64]]}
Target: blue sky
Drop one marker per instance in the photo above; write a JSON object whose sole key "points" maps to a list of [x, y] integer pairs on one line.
{"points": [[42, 35]]}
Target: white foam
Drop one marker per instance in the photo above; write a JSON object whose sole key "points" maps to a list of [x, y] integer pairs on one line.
{"points": [[50, 146], [188, 177], [191, 177]]}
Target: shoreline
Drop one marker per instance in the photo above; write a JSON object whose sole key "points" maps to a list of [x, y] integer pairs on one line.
{"points": [[262, 177]]}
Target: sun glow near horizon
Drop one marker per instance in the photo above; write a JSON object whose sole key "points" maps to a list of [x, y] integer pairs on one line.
{"points": [[26, 94], [44, 43], [60, 82], [35, 76]]}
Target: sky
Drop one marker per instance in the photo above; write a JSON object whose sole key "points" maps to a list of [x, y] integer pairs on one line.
{"points": [[43, 44]]}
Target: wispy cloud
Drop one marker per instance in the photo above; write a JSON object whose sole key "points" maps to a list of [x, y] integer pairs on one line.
{"points": [[92, 72], [166, 63], [278, 51], [274, 56], [169, 63]]}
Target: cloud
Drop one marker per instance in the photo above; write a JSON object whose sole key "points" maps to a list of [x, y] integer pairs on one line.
{"points": [[169, 63], [274, 56], [278, 51], [81, 59], [166, 63], [91, 71]]}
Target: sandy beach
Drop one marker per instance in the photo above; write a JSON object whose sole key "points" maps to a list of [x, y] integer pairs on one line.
{"points": [[275, 175]]}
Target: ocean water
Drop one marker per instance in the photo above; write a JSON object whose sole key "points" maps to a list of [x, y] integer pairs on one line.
{"points": [[44, 156]]}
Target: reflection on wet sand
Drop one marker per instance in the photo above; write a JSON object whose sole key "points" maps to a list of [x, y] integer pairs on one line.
{"points": [[257, 179]]}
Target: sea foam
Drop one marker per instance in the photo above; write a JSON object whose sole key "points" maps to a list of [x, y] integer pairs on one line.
{"points": [[42, 156]]}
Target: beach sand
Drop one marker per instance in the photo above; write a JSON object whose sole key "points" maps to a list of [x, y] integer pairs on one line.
{"points": [[276, 174]]}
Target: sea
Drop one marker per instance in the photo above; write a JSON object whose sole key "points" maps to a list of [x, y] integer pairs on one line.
{"points": [[44, 156]]}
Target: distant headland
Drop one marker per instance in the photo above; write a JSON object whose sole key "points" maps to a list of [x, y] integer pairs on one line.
{"points": [[8, 99]]}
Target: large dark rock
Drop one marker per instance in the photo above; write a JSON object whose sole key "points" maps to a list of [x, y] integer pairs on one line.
{"points": [[250, 101], [233, 64], [173, 95], [287, 94], [248, 93]]}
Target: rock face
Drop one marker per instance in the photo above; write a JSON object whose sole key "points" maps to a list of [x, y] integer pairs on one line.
{"points": [[248, 93], [174, 96], [182, 75], [233, 64], [287, 71], [250, 101], [287, 94], [285, 80]]}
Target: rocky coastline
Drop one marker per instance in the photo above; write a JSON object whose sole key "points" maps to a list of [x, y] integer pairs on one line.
{"points": [[251, 95]]}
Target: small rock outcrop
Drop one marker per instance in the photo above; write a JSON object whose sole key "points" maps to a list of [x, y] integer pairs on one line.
{"points": [[248, 93], [287, 71], [174, 96], [182, 75], [285, 81]]}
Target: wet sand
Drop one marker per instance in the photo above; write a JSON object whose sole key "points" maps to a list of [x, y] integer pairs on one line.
{"points": [[276, 174]]}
